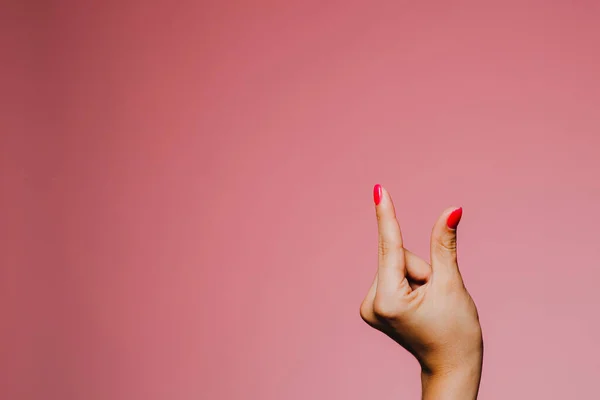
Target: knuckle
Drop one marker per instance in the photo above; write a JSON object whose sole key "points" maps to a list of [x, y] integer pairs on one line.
{"points": [[447, 244], [366, 313], [386, 247], [368, 316], [385, 309], [383, 247]]}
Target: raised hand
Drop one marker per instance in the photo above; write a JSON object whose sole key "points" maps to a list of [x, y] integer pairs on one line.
{"points": [[426, 307]]}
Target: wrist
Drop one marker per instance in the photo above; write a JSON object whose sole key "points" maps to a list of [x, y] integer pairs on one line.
{"points": [[459, 382]]}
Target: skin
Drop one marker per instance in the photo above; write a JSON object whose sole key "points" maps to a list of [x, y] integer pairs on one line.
{"points": [[426, 308]]}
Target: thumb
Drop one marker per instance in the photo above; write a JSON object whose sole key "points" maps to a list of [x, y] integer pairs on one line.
{"points": [[443, 241]]}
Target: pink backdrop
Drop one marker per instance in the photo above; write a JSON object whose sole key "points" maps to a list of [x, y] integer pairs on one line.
{"points": [[186, 192]]}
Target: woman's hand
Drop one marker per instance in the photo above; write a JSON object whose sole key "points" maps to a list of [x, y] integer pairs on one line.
{"points": [[426, 308]]}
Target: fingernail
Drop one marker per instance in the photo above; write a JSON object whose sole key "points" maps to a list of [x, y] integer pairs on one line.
{"points": [[454, 218], [377, 194]]}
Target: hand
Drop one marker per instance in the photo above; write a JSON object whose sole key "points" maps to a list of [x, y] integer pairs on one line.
{"points": [[426, 308]]}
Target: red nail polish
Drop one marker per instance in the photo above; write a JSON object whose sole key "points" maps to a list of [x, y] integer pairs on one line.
{"points": [[454, 218], [377, 194]]}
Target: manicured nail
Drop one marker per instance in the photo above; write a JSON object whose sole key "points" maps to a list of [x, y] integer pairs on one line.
{"points": [[454, 218], [377, 194]]}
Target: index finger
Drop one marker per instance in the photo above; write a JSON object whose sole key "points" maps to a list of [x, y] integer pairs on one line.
{"points": [[392, 265]]}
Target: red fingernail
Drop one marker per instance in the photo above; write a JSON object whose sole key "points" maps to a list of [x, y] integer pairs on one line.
{"points": [[377, 194], [454, 218]]}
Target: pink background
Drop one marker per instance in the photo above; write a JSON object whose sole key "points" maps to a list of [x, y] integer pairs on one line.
{"points": [[186, 192]]}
